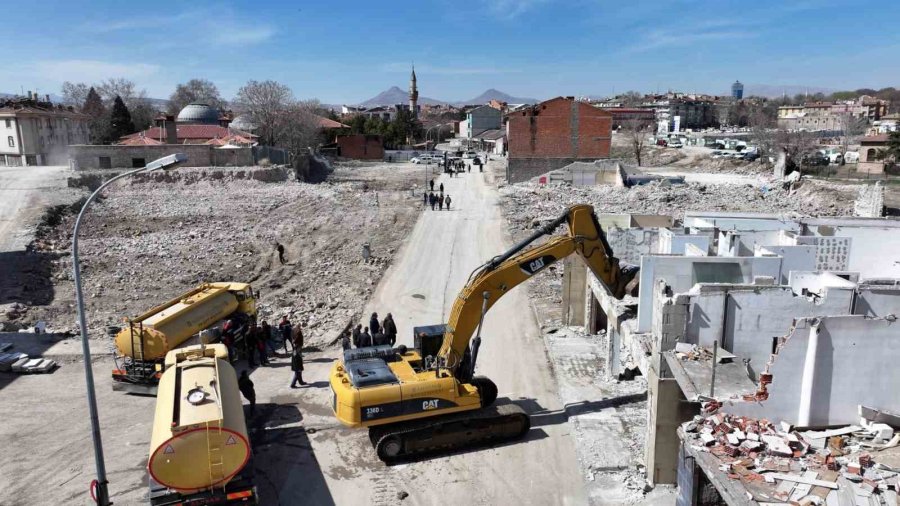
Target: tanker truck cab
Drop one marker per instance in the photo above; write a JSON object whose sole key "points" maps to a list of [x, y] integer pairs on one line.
{"points": [[144, 340]]}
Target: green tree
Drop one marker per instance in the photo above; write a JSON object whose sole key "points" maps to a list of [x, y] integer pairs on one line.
{"points": [[892, 151], [99, 126], [357, 124], [120, 123]]}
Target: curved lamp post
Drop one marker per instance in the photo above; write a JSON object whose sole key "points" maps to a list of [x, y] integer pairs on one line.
{"points": [[102, 491]]}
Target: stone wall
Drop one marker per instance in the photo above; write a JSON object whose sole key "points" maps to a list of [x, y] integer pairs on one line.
{"points": [[85, 156]]}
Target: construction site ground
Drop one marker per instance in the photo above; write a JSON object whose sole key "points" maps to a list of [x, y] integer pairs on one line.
{"points": [[151, 240]]}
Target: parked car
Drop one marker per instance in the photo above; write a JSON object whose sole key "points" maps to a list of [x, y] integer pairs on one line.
{"points": [[416, 160], [662, 142], [851, 157], [750, 156], [815, 160], [675, 143], [469, 154]]}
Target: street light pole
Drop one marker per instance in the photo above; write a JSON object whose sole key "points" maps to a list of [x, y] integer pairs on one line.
{"points": [[102, 490]]}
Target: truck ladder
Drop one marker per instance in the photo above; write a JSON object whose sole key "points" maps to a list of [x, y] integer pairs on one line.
{"points": [[216, 457]]}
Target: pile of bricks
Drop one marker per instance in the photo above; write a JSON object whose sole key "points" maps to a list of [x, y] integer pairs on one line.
{"points": [[778, 464]]}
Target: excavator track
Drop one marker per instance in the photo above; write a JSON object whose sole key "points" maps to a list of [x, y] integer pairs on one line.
{"points": [[417, 438]]}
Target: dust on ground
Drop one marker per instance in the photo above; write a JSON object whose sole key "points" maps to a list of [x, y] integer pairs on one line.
{"points": [[148, 240]]}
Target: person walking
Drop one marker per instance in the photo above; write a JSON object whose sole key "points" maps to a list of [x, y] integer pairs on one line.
{"points": [[250, 345], [268, 337], [433, 201], [424, 200], [286, 330], [261, 346], [447, 201], [345, 340], [297, 367], [432, 185], [365, 339], [390, 329], [245, 385], [441, 203], [280, 248], [357, 333], [442, 187], [374, 326]]}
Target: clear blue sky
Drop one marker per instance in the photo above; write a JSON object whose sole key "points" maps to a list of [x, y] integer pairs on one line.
{"points": [[344, 51]]}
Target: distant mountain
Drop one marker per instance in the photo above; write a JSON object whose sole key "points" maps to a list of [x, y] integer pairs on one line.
{"points": [[397, 95], [394, 96], [493, 94], [774, 90]]}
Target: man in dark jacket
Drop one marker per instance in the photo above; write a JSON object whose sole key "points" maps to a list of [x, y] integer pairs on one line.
{"points": [[442, 187], [286, 329], [433, 200], [374, 326], [357, 334], [432, 185], [389, 329], [250, 345], [365, 339], [245, 385], [345, 340], [297, 367]]}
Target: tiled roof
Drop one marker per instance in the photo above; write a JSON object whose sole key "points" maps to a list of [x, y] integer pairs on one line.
{"points": [[875, 138], [140, 140], [191, 133], [330, 123]]}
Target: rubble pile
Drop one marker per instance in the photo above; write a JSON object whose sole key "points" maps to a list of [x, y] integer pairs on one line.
{"points": [[777, 464], [528, 205], [147, 242]]}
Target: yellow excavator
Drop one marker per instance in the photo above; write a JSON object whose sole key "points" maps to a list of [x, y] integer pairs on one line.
{"points": [[428, 398]]}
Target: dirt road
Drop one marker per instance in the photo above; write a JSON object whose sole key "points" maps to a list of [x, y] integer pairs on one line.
{"points": [[443, 248], [23, 197]]}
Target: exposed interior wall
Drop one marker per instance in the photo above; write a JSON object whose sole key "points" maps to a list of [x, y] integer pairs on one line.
{"points": [[832, 365], [674, 242], [630, 244], [681, 273], [878, 301], [794, 258], [747, 321], [816, 282], [876, 244], [742, 243]]}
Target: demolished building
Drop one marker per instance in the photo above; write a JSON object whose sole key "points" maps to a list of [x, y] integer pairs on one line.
{"points": [[752, 316]]}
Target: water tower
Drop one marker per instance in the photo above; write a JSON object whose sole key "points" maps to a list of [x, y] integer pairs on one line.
{"points": [[737, 90]]}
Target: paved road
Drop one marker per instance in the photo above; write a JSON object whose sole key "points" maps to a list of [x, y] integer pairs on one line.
{"points": [[23, 195], [443, 248]]}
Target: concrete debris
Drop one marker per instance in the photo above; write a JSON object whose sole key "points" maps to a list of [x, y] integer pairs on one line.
{"points": [[791, 466], [870, 203], [147, 241], [528, 205]]}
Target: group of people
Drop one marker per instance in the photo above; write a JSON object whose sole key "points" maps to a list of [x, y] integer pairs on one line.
{"points": [[455, 166], [376, 334], [440, 200], [254, 341]]}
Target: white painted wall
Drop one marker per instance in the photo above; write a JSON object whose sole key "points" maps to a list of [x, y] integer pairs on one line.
{"points": [[817, 282], [794, 258], [854, 363], [675, 243], [877, 302], [876, 245], [681, 273]]}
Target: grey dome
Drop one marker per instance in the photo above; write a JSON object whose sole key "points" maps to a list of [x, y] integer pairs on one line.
{"points": [[198, 113], [242, 122]]}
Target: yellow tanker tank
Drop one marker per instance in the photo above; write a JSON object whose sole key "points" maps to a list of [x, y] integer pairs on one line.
{"points": [[199, 436], [158, 331]]}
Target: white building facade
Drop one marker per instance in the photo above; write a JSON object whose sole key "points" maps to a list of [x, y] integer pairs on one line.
{"points": [[39, 133]]}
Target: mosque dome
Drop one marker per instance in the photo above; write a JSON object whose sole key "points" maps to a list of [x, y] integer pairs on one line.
{"points": [[197, 113]]}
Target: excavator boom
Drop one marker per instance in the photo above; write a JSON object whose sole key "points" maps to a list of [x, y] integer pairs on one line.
{"points": [[502, 273]]}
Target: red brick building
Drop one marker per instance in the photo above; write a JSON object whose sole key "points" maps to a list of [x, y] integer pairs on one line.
{"points": [[361, 147], [555, 133]]}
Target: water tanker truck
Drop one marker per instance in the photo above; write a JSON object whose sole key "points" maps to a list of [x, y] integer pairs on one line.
{"points": [[144, 341], [199, 449]]}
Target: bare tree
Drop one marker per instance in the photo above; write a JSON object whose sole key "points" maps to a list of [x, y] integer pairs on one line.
{"points": [[264, 102], [297, 126], [195, 90], [851, 128], [74, 94], [762, 131], [631, 98], [635, 130], [795, 146]]}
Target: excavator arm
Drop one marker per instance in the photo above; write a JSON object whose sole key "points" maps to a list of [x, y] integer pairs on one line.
{"points": [[494, 279]]}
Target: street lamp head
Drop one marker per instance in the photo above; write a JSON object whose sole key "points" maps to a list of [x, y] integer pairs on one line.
{"points": [[167, 162]]}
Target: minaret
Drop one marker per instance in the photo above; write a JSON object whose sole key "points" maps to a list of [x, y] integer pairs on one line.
{"points": [[413, 93]]}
